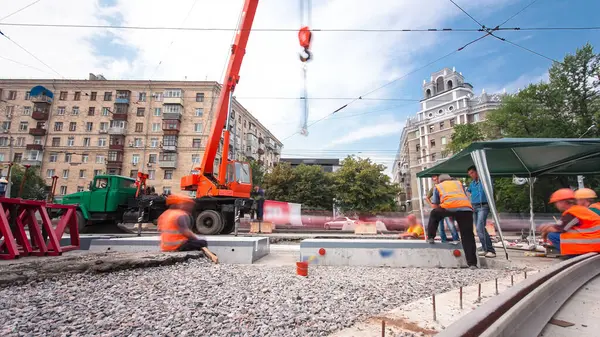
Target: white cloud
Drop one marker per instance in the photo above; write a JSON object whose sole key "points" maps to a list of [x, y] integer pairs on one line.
{"points": [[368, 132], [521, 82], [345, 64]]}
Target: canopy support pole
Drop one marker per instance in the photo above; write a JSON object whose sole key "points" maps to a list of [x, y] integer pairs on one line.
{"points": [[530, 181], [421, 205], [480, 161]]}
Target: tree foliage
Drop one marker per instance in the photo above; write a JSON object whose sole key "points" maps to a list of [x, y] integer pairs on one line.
{"points": [[359, 186], [35, 187], [363, 187], [258, 173], [565, 107]]}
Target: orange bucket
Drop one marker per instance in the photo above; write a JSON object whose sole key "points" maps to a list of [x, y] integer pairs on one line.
{"points": [[302, 268]]}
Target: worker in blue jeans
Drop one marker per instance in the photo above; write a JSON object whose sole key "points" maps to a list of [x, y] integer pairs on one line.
{"points": [[481, 210]]}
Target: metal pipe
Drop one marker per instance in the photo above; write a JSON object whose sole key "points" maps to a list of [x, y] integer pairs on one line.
{"points": [[382, 328], [434, 313], [461, 296]]}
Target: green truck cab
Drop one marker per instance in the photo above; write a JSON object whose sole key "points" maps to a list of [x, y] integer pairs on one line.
{"points": [[108, 201]]}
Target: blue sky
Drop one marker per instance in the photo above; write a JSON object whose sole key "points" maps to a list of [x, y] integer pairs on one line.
{"points": [[346, 65]]}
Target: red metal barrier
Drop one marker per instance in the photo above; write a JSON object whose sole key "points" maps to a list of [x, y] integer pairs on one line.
{"points": [[44, 240]]}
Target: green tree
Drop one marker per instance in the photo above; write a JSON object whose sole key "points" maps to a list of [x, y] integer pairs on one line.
{"points": [[362, 187], [463, 136], [35, 187], [307, 185], [258, 173]]}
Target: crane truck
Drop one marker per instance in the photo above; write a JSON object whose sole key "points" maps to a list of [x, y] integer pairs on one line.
{"points": [[222, 197]]}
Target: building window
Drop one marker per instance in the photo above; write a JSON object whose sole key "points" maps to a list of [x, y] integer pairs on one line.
{"points": [[199, 112], [50, 173], [450, 108], [12, 95], [91, 111], [173, 93], [158, 96], [167, 190], [93, 96], [103, 126], [151, 174], [153, 142], [433, 157], [432, 142], [18, 157], [133, 173], [21, 141], [155, 127], [26, 111], [65, 174], [63, 190], [198, 127], [87, 141], [58, 126], [102, 142], [108, 96], [77, 96], [142, 97], [168, 174], [199, 97], [82, 174], [23, 126], [6, 125], [418, 147], [174, 109], [72, 126], [137, 142], [476, 118], [79, 189], [62, 96], [27, 95], [441, 125], [100, 159], [196, 143], [85, 158], [68, 157], [195, 159], [71, 141], [89, 126], [157, 112], [444, 141], [97, 172], [105, 111], [139, 127], [135, 159], [140, 112], [60, 110], [56, 141], [431, 128], [152, 158], [75, 111], [53, 158]]}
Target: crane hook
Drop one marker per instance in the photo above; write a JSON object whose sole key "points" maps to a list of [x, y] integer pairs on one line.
{"points": [[305, 37]]}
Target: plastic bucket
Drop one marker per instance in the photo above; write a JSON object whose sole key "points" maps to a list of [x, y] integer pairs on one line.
{"points": [[302, 268]]}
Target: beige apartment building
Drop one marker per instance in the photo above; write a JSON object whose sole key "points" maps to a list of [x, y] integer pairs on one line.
{"points": [[447, 101], [98, 126]]}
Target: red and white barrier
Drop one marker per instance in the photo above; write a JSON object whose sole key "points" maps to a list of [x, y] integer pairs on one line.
{"points": [[282, 213]]}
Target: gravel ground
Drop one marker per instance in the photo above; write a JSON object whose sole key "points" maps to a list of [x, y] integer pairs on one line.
{"points": [[196, 298]]}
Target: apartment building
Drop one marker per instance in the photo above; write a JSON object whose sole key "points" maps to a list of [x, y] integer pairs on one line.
{"points": [[327, 165], [447, 101], [75, 129]]}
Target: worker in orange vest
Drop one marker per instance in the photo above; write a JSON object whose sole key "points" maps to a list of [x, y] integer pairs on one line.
{"points": [[578, 231], [175, 227], [449, 199], [585, 197]]}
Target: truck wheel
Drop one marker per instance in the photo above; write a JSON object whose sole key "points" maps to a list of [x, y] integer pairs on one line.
{"points": [[81, 222], [229, 223], [209, 222]]}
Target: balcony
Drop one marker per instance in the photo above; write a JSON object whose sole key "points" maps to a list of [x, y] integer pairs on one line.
{"points": [[40, 115], [31, 162], [277, 150], [270, 143], [117, 147], [173, 100], [119, 116], [115, 161], [171, 127], [251, 154], [122, 97], [172, 116], [37, 131], [36, 147], [41, 99], [169, 162], [169, 147], [117, 130]]}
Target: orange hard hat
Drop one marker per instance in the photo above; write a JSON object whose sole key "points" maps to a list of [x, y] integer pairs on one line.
{"points": [[178, 199], [562, 194], [585, 193]]}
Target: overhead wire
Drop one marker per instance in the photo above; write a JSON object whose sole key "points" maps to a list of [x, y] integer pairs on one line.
{"points": [[333, 30], [19, 10], [517, 13], [469, 15]]}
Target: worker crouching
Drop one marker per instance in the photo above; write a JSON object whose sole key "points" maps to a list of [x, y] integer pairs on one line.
{"points": [[578, 231], [175, 227]]}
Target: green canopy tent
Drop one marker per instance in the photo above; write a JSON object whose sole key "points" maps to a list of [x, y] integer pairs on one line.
{"points": [[521, 157]]}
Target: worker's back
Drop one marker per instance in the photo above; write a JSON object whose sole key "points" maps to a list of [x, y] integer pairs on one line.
{"points": [[585, 236], [171, 238], [452, 195]]}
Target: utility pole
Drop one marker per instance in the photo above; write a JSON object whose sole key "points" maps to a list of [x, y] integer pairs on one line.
{"points": [[10, 158]]}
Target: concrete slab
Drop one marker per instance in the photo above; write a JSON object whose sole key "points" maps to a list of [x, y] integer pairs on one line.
{"points": [[240, 250], [380, 252]]}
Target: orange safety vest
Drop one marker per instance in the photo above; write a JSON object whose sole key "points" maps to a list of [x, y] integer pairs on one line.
{"points": [[595, 208], [583, 238], [452, 195], [170, 236]]}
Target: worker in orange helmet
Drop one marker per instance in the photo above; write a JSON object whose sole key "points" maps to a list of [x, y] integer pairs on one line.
{"points": [[585, 197], [578, 231], [175, 227]]}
